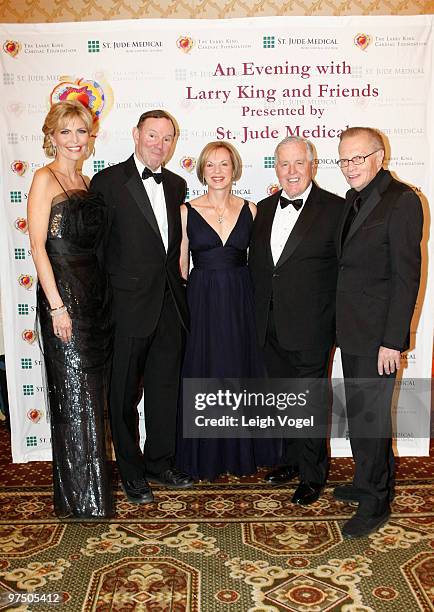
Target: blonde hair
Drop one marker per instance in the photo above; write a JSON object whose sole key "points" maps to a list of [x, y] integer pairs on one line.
{"points": [[58, 116], [237, 164]]}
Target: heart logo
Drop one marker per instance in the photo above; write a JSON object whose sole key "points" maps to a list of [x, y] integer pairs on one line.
{"points": [[88, 92], [12, 47], [188, 163], [273, 188], [362, 41], [34, 415], [19, 167], [185, 43], [26, 281], [16, 108], [29, 335], [21, 224]]}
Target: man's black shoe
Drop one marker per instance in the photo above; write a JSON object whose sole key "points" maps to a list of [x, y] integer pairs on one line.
{"points": [[359, 526], [307, 493], [281, 475], [172, 478], [138, 491], [347, 493], [350, 493]]}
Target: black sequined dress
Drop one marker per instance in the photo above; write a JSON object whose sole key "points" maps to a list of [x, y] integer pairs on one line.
{"points": [[77, 371]]}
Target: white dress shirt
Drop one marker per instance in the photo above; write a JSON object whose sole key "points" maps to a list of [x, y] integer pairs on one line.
{"points": [[155, 193], [283, 223]]}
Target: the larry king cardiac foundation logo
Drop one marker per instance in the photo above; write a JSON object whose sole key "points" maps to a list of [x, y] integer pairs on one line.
{"points": [[20, 224], [273, 188], [35, 415], [19, 167], [188, 163], [29, 336], [16, 108], [90, 93], [185, 43], [12, 47], [25, 281], [362, 41]]}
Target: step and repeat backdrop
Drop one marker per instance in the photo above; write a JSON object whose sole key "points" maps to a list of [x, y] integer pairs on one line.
{"points": [[249, 81]]}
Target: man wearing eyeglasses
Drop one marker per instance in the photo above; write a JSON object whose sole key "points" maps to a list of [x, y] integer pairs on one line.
{"points": [[378, 246]]}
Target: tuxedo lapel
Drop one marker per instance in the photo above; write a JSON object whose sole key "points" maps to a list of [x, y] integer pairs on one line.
{"points": [[135, 186], [171, 206], [367, 207], [307, 216], [373, 199], [348, 204]]}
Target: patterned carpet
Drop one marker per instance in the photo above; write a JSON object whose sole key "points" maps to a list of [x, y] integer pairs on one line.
{"points": [[233, 545]]}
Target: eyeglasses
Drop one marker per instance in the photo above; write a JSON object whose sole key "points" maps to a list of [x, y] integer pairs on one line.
{"points": [[358, 160]]}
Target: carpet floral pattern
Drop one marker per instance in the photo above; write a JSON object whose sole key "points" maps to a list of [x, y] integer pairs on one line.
{"points": [[234, 545]]}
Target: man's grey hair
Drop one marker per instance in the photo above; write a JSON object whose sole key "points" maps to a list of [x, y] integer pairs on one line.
{"points": [[289, 140]]}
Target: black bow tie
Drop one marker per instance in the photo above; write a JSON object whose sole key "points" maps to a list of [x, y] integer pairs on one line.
{"points": [[157, 176], [297, 204]]}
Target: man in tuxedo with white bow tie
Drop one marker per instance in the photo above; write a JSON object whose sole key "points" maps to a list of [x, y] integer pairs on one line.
{"points": [[142, 249], [294, 267]]}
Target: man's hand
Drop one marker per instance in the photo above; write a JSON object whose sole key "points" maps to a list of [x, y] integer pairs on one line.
{"points": [[388, 360]]}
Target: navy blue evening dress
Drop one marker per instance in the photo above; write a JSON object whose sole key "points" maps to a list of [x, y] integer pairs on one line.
{"points": [[222, 342]]}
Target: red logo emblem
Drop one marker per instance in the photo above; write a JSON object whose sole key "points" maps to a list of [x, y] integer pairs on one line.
{"points": [[19, 167], [362, 41], [185, 43], [21, 224], [273, 188], [12, 47], [26, 281], [29, 336], [188, 163], [34, 415]]}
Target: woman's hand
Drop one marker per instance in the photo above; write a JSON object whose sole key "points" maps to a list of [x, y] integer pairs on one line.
{"points": [[62, 326]]}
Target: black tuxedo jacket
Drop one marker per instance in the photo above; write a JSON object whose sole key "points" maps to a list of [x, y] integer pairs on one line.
{"points": [[302, 284], [135, 257], [379, 269]]}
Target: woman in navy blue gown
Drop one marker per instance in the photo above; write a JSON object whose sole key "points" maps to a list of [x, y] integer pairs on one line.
{"points": [[222, 340]]}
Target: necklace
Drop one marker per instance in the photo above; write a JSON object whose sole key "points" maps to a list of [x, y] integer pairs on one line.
{"points": [[220, 215]]}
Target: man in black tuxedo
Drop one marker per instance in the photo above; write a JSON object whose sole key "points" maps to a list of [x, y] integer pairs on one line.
{"points": [[142, 247], [294, 267], [378, 245]]}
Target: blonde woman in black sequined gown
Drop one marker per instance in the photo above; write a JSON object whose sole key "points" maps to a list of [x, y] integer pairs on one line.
{"points": [[66, 224]]}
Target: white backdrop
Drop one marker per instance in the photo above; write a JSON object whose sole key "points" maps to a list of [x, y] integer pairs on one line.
{"points": [[251, 81]]}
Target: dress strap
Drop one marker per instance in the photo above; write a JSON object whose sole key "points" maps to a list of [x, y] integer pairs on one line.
{"points": [[63, 188], [188, 205], [84, 182]]}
